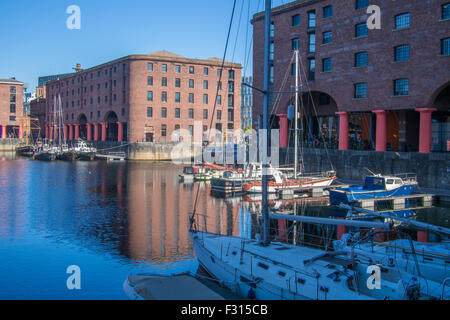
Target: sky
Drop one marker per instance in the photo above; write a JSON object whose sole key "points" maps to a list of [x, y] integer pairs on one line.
{"points": [[35, 40]]}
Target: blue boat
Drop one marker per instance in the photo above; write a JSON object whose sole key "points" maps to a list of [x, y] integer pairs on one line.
{"points": [[376, 186]]}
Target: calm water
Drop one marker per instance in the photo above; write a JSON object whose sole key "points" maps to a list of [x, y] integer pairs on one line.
{"points": [[111, 220]]}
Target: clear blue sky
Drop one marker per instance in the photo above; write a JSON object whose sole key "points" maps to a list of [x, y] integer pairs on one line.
{"points": [[36, 42]]}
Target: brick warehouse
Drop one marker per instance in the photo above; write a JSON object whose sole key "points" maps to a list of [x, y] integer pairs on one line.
{"points": [[12, 120], [145, 98], [386, 89]]}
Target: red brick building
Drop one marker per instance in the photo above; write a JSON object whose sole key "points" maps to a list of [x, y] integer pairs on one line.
{"points": [[146, 98], [11, 109], [386, 89]]}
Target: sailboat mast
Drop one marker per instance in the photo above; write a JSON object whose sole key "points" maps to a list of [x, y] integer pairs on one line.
{"points": [[62, 119], [296, 117], [265, 124]]}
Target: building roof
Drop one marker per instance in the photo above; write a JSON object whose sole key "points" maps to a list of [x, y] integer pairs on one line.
{"points": [[11, 81], [286, 7], [165, 54]]}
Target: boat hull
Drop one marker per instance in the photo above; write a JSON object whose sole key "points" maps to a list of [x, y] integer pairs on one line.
{"points": [[350, 196], [45, 156], [275, 187]]}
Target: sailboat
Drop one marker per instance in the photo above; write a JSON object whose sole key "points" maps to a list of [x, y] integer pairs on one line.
{"points": [[49, 151], [261, 269], [300, 180]]}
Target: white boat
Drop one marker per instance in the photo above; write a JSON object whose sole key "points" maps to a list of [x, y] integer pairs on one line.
{"points": [[301, 182]]}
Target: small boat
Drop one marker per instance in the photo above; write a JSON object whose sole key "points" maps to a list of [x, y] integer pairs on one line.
{"points": [[26, 150], [46, 153], [376, 186], [302, 182], [84, 151], [66, 154], [187, 175]]}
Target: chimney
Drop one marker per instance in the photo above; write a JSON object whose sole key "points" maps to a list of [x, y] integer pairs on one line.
{"points": [[78, 68]]}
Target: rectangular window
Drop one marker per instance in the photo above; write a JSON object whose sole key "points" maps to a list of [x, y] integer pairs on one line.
{"points": [[360, 90], [327, 11], [327, 37], [219, 114], [164, 113], [401, 53], [230, 115], [164, 68], [361, 30], [149, 112], [12, 108], [445, 46], [177, 113], [312, 19], [150, 66], [312, 69], [164, 82], [402, 21], [219, 100], [231, 86], [150, 96], [164, 96], [360, 4], [191, 130], [271, 51], [446, 11], [191, 83], [177, 69], [219, 72], [177, 97], [12, 89], [272, 30], [205, 84], [296, 20], [150, 81], [231, 74], [205, 114], [230, 100], [191, 98], [205, 99], [312, 42], [191, 70], [295, 44], [205, 71], [326, 65], [219, 85], [177, 83], [191, 114], [361, 59], [401, 87], [163, 130], [12, 118]]}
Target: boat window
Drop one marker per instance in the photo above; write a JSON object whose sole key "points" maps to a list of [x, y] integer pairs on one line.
{"points": [[281, 273], [389, 181], [262, 265], [398, 181], [301, 281], [213, 260], [378, 182]]}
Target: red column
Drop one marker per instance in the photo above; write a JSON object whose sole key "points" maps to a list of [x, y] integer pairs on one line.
{"points": [[119, 131], [283, 130], [380, 140], [89, 132], [46, 131], [422, 236], [50, 130], [343, 130], [70, 132], [66, 131], [20, 132], [104, 131], [77, 131], [3, 132], [425, 129], [95, 131]]}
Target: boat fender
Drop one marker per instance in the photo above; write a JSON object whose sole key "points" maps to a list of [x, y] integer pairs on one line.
{"points": [[251, 294]]}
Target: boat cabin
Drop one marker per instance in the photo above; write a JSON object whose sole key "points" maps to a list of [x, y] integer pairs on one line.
{"points": [[382, 183]]}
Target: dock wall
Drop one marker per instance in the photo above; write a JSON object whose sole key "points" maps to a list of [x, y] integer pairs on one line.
{"points": [[432, 169], [9, 144]]}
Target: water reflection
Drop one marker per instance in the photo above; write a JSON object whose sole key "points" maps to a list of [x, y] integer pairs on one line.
{"points": [[116, 219]]}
